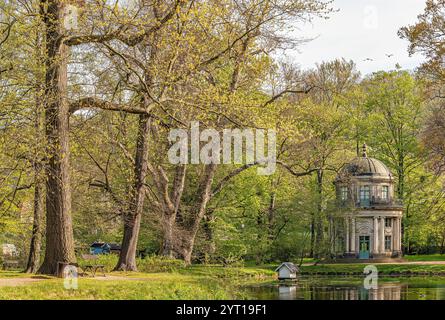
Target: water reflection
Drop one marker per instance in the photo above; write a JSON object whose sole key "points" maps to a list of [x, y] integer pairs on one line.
{"points": [[386, 291], [287, 292], [336, 289]]}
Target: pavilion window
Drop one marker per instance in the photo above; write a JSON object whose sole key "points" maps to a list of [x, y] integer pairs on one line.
{"points": [[388, 222], [385, 192], [364, 193], [344, 193], [387, 243]]}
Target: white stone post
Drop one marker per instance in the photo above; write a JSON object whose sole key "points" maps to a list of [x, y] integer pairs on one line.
{"points": [[353, 236], [395, 238], [347, 234], [375, 246], [399, 234], [382, 235]]}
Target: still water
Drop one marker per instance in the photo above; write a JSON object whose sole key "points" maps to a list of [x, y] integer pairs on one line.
{"points": [[347, 288]]}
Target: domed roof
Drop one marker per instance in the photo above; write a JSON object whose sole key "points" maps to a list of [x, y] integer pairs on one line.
{"points": [[365, 166]]}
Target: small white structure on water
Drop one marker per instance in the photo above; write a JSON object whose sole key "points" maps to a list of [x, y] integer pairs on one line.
{"points": [[287, 270]]}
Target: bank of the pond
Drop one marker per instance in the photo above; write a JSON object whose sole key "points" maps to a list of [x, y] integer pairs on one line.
{"points": [[383, 269]]}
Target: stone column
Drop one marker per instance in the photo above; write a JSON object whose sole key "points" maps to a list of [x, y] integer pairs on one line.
{"points": [[382, 235], [399, 234], [375, 245], [347, 234], [395, 235], [353, 235]]}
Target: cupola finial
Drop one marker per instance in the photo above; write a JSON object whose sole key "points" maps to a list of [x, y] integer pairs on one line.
{"points": [[364, 148]]}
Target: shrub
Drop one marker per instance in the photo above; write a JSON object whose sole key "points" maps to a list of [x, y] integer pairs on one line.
{"points": [[154, 264], [232, 260]]}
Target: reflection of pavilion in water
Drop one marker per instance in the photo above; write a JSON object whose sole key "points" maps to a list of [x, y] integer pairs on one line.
{"points": [[385, 291]]}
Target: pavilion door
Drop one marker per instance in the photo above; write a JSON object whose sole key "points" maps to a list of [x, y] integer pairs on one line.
{"points": [[364, 245]]}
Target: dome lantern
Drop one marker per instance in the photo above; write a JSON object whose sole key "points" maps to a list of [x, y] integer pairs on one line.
{"points": [[364, 154]]}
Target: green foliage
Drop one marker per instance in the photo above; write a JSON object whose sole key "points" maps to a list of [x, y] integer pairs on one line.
{"points": [[149, 264], [155, 264]]}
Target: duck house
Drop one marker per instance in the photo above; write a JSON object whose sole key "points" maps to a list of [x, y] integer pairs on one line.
{"points": [[287, 271]]}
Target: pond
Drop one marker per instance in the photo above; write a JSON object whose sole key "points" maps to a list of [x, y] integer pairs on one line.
{"points": [[348, 288]]}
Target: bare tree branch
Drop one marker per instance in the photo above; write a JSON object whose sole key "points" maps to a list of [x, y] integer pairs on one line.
{"points": [[120, 33]]}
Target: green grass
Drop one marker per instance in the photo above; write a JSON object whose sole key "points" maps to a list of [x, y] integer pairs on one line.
{"points": [[196, 282], [13, 274], [233, 273], [156, 287], [425, 257]]}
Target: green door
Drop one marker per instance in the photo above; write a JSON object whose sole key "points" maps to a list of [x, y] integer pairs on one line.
{"points": [[364, 247]]}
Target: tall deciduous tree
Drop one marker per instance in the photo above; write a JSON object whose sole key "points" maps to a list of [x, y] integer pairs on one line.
{"points": [[59, 228], [59, 235]]}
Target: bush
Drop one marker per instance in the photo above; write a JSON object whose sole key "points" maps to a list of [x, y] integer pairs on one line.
{"points": [[150, 264], [231, 260], [154, 264]]}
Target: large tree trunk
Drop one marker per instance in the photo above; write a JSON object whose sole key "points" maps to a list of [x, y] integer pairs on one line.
{"points": [[208, 232], [59, 230], [168, 241], [127, 257], [184, 232], [132, 220], [170, 209]]}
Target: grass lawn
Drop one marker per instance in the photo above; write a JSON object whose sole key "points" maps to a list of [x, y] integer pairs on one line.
{"points": [[425, 257], [196, 282], [385, 269]]}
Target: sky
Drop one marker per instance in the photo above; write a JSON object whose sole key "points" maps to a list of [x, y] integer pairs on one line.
{"points": [[360, 30]]}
